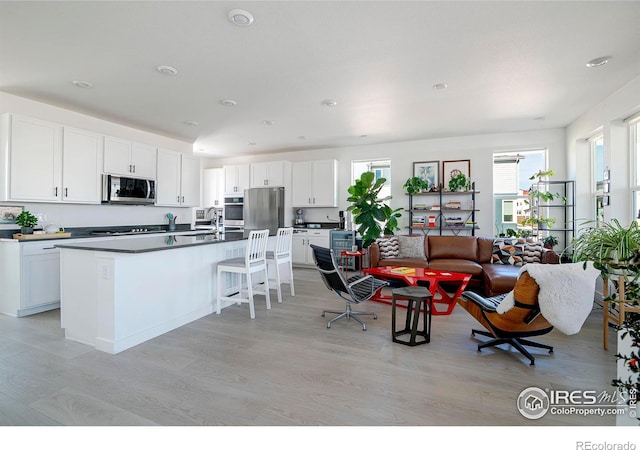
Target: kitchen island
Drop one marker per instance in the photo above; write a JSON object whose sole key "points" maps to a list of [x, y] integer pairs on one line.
{"points": [[119, 293]]}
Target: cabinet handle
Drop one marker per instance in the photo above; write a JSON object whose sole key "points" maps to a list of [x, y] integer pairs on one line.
{"points": [[56, 191], [309, 200], [183, 199], [130, 170], [66, 192], [48, 248], [178, 199], [134, 168], [314, 200]]}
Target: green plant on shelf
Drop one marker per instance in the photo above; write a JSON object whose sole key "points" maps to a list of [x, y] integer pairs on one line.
{"points": [[459, 182], [550, 241], [415, 185]]}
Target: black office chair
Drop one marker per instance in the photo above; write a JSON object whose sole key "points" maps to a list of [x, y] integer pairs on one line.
{"points": [[357, 289]]}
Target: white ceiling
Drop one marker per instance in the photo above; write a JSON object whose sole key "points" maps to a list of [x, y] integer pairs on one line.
{"points": [[509, 66]]}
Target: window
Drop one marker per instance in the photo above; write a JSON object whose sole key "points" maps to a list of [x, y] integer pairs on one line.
{"points": [[597, 175], [634, 133], [511, 184], [381, 169], [508, 207]]}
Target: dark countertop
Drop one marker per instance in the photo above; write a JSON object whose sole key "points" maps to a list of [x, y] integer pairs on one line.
{"points": [[86, 232], [152, 243]]}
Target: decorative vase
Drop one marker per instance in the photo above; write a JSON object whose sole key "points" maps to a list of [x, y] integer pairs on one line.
{"points": [[26, 230]]}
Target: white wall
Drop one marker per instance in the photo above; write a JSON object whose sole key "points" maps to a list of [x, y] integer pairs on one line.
{"points": [[68, 215], [608, 117], [479, 149]]}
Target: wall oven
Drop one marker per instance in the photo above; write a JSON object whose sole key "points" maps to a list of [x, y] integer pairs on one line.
{"points": [[233, 213]]}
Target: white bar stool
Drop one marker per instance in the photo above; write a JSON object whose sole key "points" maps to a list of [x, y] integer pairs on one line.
{"points": [[253, 262], [282, 255]]}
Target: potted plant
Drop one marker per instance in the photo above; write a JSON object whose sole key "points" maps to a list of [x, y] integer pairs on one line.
{"points": [[372, 215], [458, 182], [610, 246], [415, 185], [27, 221], [550, 242]]}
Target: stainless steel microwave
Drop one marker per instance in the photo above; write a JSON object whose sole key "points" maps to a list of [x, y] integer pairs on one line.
{"points": [[128, 191]]}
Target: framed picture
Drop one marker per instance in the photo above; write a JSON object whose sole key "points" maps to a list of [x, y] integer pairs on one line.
{"points": [[605, 200], [8, 214], [428, 171], [605, 174], [605, 187], [453, 168]]}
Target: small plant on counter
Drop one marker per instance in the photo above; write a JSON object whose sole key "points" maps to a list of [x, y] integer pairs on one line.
{"points": [[27, 221]]}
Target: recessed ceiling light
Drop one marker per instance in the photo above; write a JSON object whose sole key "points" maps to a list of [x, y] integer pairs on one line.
{"points": [[597, 62], [167, 70], [228, 102], [267, 122], [440, 86], [329, 102], [539, 118], [240, 17], [191, 123], [302, 138], [82, 84], [363, 136], [252, 143], [201, 150]]}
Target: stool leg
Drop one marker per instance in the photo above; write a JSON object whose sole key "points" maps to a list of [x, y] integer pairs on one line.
{"points": [[407, 324], [393, 317], [416, 320]]}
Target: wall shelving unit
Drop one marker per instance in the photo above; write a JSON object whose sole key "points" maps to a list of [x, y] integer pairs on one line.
{"points": [[455, 212], [563, 211]]}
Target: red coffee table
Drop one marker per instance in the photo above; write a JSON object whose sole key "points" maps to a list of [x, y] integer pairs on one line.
{"points": [[412, 276]]}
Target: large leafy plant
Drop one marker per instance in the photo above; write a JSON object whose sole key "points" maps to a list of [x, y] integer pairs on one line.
{"points": [[610, 246], [372, 215]]}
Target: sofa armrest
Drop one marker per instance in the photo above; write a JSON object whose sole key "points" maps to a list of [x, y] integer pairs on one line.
{"points": [[548, 256], [374, 255]]}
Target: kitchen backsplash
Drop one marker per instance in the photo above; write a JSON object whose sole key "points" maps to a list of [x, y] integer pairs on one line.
{"points": [[68, 215]]}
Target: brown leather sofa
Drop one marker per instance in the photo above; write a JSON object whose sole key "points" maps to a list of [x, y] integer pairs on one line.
{"points": [[466, 254]]}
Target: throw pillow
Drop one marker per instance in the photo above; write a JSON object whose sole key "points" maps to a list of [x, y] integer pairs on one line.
{"points": [[508, 251], [411, 247], [388, 247], [532, 252]]}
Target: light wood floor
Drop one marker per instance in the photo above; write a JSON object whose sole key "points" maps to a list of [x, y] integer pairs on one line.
{"points": [[286, 368]]}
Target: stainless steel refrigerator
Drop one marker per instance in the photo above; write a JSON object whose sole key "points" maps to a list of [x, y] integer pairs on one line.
{"points": [[264, 208]]}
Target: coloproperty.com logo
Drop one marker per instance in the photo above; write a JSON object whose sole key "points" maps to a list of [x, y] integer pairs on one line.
{"points": [[534, 403]]}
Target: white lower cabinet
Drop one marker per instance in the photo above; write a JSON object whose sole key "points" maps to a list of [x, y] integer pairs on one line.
{"points": [[30, 277], [301, 251]]}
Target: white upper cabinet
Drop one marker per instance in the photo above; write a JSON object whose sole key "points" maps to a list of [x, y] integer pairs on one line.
{"points": [[273, 173], [213, 187], [178, 182], [314, 184], [35, 155], [127, 158], [49, 163], [81, 164], [190, 181], [236, 179]]}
